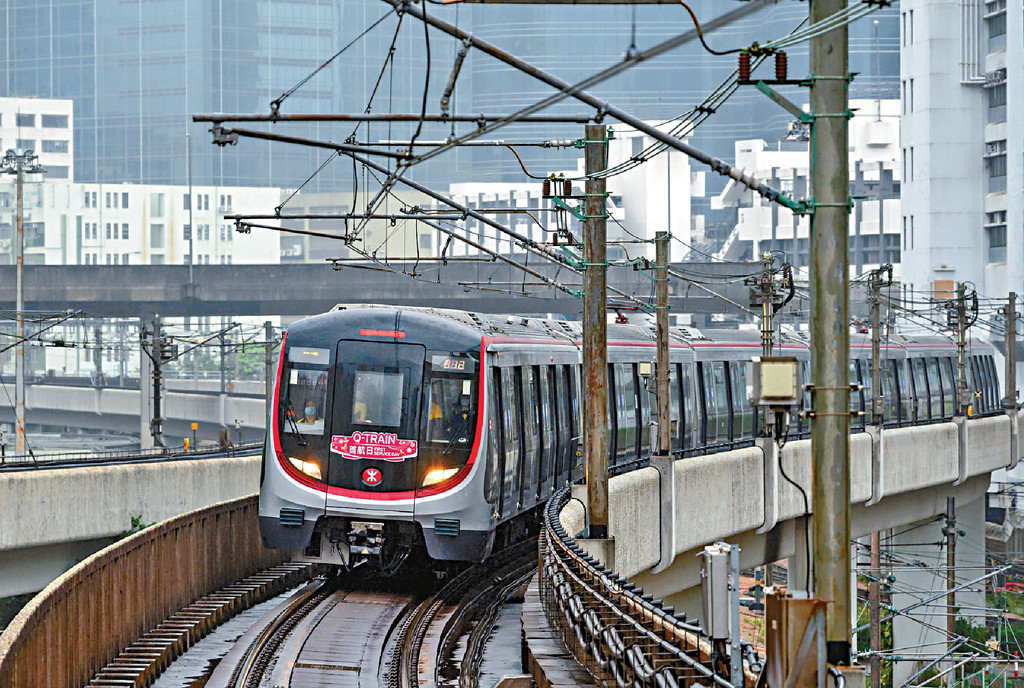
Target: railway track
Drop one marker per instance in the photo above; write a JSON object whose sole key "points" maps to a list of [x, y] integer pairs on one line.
{"points": [[340, 633]]}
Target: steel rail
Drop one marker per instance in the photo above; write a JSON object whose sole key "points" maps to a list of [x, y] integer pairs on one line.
{"points": [[248, 673]]}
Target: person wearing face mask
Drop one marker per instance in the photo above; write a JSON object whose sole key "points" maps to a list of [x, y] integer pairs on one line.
{"points": [[309, 413]]}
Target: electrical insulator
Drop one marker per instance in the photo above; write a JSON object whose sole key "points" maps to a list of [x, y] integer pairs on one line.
{"points": [[567, 188], [546, 188], [781, 65], [744, 68]]}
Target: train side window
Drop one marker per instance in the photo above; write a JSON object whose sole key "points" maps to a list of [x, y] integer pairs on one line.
{"points": [[674, 410], [547, 454], [744, 412], [644, 405], [903, 390], [690, 420], [993, 384], [721, 401], [976, 399], [948, 388], [865, 379], [706, 398], [934, 387], [920, 379], [511, 441], [565, 424], [494, 453], [531, 436], [856, 401], [891, 401]]}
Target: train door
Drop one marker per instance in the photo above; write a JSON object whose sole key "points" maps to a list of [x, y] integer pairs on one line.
{"points": [[921, 393], [511, 443], [375, 443]]}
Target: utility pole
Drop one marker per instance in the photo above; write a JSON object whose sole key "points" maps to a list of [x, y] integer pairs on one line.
{"points": [[962, 394], [764, 294], [268, 361], [1010, 373], [663, 365], [950, 532], [830, 335], [98, 336], [877, 409], [155, 352], [20, 163], [595, 332]]}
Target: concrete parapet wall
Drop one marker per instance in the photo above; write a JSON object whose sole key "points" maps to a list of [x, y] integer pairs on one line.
{"points": [[88, 503], [723, 496]]}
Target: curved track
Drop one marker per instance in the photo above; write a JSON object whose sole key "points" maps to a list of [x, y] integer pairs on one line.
{"points": [[335, 633]]}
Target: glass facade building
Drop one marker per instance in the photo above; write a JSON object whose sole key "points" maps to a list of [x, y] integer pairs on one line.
{"points": [[138, 70]]}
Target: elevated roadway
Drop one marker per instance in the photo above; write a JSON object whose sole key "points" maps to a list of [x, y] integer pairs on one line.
{"points": [[306, 289]]}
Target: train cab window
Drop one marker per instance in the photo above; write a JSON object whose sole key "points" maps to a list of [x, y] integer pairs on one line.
{"points": [[948, 388], [920, 379], [977, 398], [644, 404], [303, 395], [547, 422], [377, 398], [993, 382], [904, 399], [450, 419], [674, 411], [934, 387], [865, 379], [493, 469]]}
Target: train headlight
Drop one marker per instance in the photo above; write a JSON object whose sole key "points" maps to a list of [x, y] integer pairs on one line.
{"points": [[438, 475], [307, 467]]}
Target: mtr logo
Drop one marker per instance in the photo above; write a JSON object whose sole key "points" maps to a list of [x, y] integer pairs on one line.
{"points": [[372, 477]]}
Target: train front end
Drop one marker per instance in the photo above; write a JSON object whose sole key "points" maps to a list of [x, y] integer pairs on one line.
{"points": [[372, 447]]}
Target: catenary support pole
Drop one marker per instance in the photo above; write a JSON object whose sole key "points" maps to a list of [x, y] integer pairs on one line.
{"points": [[875, 609], [1010, 374], [19, 351], [963, 394], [595, 333], [661, 323], [830, 337], [157, 355], [950, 532]]}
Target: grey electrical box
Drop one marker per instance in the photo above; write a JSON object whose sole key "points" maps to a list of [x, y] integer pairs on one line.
{"points": [[714, 587], [776, 381]]}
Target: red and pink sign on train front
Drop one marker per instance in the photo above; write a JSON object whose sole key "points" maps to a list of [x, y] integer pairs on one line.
{"points": [[373, 445]]}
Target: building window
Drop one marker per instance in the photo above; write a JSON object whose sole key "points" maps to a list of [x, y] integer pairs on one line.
{"points": [[995, 20], [997, 102], [107, 199], [124, 230], [56, 171], [94, 201], [108, 230], [995, 229], [225, 203], [156, 236], [187, 259], [109, 261], [114, 196], [55, 146], [156, 205], [27, 144], [995, 164], [25, 120], [124, 259], [185, 202], [124, 199], [54, 121], [187, 232]]}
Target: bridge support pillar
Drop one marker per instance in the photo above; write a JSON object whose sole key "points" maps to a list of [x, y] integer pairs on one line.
{"points": [[919, 566], [665, 465]]}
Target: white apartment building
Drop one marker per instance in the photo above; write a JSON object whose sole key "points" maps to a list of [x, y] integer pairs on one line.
{"points": [[875, 180], [132, 224], [42, 125], [962, 93]]}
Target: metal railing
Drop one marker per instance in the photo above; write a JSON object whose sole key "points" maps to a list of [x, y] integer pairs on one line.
{"points": [[15, 462], [621, 636], [82, 620]]}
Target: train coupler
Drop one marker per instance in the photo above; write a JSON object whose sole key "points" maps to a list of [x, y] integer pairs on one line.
{"points": [[365, 537]]}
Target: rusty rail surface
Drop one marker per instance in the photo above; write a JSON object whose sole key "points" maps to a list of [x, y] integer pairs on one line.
{"points": [[82, 620], [621, 636]]}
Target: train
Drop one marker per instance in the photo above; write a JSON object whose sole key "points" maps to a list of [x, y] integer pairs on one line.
{"points": [[398, 430]]}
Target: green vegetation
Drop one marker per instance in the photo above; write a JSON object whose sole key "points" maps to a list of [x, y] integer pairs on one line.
{"points": [[137, 525]]}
